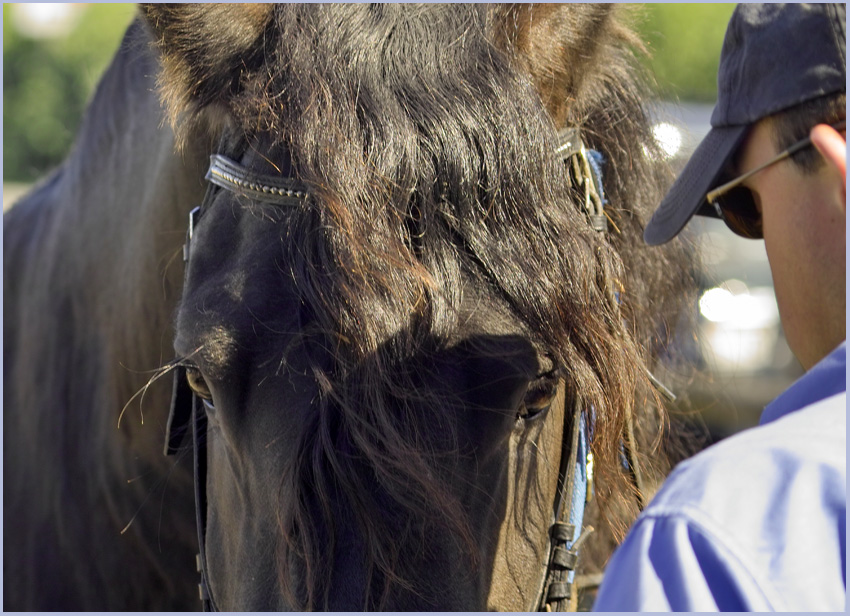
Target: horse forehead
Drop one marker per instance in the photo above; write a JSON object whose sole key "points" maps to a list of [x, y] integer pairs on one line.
{"points": [[241, 288], [238, 292]]}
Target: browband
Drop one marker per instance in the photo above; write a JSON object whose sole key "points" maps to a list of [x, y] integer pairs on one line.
{"points": [[234, 177], [584, 170]]}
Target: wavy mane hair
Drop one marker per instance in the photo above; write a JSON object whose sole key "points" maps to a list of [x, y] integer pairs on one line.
{"points": [[426, 135]]}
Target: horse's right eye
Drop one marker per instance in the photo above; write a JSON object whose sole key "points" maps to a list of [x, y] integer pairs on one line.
{"points": [[198, 384], [540, 395]]}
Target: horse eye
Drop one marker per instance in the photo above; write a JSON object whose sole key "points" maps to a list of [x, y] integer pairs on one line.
{"points": [[198, 384], [539, 396]]}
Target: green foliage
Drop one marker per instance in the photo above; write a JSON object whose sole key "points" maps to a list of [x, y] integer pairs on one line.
{"points": [[46, 84], [685, 42]]}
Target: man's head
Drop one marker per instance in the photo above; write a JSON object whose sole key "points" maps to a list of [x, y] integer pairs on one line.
{"points": [[803, 217], [782, 73], [777, 60]]}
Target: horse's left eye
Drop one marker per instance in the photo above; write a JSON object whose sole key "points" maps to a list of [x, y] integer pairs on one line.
{"points": [[539, 396], [198, 384]]}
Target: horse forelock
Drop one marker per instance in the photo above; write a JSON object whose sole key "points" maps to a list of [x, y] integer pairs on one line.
{"points": [[422, 136]]}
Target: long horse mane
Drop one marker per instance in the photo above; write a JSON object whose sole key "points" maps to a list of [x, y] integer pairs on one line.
{"points": [[426, 136]]}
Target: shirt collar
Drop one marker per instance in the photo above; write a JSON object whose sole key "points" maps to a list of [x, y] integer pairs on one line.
{"points": [[826, 378]]}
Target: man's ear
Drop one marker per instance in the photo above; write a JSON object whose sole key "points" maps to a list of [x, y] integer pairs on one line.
{"points": [[833, 147]]}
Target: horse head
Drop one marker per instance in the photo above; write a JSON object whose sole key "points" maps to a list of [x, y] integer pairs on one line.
{"points": [[399, 316]]}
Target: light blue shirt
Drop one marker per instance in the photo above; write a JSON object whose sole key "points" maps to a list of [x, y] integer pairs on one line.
{"points": [[756, 522]]}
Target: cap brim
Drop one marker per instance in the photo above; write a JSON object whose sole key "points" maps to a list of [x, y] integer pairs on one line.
{"points": [[688, 191]]}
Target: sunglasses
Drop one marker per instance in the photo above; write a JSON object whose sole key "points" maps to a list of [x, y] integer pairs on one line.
{"points": [[735, 204]]}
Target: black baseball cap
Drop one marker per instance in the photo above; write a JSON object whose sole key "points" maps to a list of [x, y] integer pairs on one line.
{"points": [[774, 56]]}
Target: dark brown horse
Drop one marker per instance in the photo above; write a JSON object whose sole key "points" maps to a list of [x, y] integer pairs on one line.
{"points": [[392, 365]]}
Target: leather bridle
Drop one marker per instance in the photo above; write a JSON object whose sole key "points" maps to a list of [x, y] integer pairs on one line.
{"points": [[557, 590]]}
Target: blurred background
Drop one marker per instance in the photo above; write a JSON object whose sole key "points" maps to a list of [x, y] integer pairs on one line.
{"points": [[739, 350], [54, 54]]}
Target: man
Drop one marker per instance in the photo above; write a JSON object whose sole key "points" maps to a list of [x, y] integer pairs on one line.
{"points": [[757, 521]]}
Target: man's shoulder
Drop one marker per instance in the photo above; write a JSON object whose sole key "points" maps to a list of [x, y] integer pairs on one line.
{"points": [[825, 379], [751, 487], [733, 527], [814, 431], [774, 493], [811, 441]]}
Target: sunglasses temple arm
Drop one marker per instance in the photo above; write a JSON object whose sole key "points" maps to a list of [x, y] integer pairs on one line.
{"points": [[711, 196]]}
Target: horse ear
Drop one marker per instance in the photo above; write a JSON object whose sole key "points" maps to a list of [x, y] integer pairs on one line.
{"points": [[562, 47], [204, 49]]}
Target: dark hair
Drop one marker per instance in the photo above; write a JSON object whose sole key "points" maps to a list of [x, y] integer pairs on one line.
{"points": [[791, 125]]}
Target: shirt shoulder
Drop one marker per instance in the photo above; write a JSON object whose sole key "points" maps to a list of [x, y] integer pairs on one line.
{"points": [[756, 463], [754, 522]]}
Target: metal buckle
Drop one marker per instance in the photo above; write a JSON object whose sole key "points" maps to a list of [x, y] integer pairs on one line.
{"points": [[585, 176], [592, 201], [193, 220]]}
